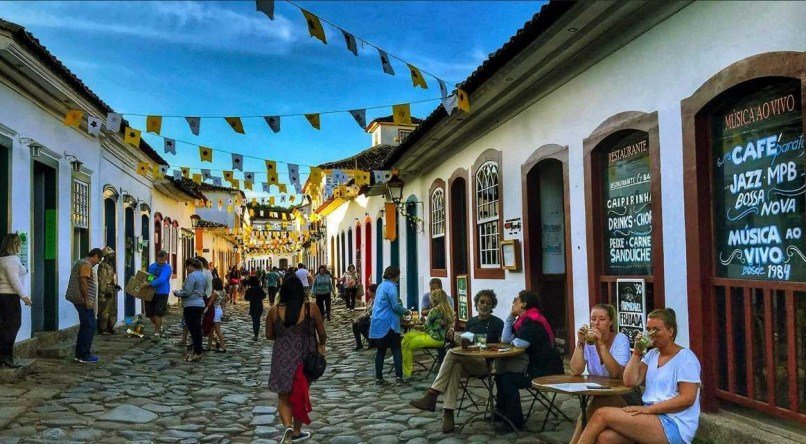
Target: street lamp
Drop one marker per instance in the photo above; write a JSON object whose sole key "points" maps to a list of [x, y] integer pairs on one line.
{"points": [[395, 188], [194, 221], [75, 163]]}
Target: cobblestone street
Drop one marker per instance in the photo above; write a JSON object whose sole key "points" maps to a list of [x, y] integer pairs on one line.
{"points": [[145, 392]]}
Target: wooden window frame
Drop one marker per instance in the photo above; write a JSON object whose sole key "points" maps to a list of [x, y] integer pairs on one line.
{"points": [[438, 184], [626, 121], [495, 156]]}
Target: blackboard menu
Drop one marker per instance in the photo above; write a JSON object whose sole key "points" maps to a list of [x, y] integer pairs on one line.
{"points": [[759, 185], [631, 307], [627, 205]]}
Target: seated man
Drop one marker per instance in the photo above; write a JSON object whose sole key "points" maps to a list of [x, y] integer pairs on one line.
{"points": [[453, 368], [425, 302], [361, 323]]}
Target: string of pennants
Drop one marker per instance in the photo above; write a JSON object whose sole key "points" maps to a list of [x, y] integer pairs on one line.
{"points": [[316, 30]]}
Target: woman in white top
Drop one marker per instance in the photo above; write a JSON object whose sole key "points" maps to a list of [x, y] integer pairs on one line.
{"points": [[11, 293], [671, 409], [606, 356]]}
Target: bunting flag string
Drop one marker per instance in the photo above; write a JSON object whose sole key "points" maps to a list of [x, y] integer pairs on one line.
{"points": [[316, 30]]}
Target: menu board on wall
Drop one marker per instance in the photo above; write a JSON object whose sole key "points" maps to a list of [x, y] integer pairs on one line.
{"points": [[759, 185], [631, 307], [462, 297], [627, 205]]}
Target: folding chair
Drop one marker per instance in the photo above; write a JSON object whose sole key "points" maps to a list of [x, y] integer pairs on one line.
{"points": [[466, 392], [548, 403]]}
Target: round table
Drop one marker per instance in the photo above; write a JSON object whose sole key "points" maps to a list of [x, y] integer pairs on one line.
{"points": [[489, 356], [546, 384]]}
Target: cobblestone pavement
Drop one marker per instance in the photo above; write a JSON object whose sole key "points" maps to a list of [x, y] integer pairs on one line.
{"points": [[144, 392]]}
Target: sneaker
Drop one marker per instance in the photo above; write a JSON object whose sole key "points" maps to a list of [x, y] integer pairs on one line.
{"points": [[379, 382], [91, 359], [303, 436], [287, 436], [399, 381]]}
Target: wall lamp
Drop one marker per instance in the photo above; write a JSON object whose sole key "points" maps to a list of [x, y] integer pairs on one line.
{"points": [[75, 163], [33, 145]]}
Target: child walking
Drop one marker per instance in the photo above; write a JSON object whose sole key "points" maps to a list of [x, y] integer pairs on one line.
{"points": [[214, 303]]}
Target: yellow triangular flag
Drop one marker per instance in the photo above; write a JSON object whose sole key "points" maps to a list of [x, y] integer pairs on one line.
{"points": [[235, 123], [417, 77], [142, 168], [463, 101], [271, 172], [73, 117], [156, 171], [313, 119], [132, 137], [228, 175], [197, 178], [271, 202], [206, 154], [185, 172], [229, 208], [314, 26], [401, 114], [282, 188], [247, 184], [154, 124], [235, 183], [361, 177]]}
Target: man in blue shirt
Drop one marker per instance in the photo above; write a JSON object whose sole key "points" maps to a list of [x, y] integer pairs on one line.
{"points": [[384, 329], [425, 302], [156, 307]]}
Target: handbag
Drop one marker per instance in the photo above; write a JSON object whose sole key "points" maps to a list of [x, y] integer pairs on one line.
{"points": [[313, 363]]}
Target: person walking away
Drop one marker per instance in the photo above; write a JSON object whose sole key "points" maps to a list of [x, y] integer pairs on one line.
{"points": [[234, 280], [362, 322], [192, 295], [603, 351], [384, 330], [432, 335], [12, 292], [272, 284], [671, 410], [350, 281], [526, 327], [107, 293], [82, 291], [294, 325], [304, 277], [207, 315], [156, 307], [214, 304], [255, 295], [322, 291], [455, 369]]}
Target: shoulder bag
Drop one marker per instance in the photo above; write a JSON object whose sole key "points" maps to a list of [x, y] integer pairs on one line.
{"points": [[313, 363]]}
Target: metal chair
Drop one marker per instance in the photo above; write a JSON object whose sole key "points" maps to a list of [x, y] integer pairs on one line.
{"points": [[466, 392], [548, 403]]}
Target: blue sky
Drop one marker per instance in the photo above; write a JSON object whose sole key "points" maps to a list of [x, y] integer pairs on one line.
{"points": [[224, 58]]}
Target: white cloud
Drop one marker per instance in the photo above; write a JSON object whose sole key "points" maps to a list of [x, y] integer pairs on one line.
{"points": [[195, 24]]}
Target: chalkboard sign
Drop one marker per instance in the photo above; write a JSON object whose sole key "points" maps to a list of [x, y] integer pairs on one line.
{"points": [[627, 204], [631, 307], [462, 298], [759, 184]]}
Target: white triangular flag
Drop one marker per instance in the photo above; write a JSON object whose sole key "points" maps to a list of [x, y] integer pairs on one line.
{"points": [[266, 7], [249, 176], [450, 103], [217, 181], [381, 176], [273, 122], [93, 125], [387, 67], [177, 175], [237, 162], [349, 39], [265, 187], [195, 124], [442, 88], [170, 146], [206, 175], [360, 116], [113, 121]]}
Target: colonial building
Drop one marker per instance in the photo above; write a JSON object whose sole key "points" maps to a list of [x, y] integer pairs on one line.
{"points": [[63, 188], [632, 153]]}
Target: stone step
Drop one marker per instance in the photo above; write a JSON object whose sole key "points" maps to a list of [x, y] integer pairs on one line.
{"points": [[57, 351], [10, 375], [742, 427]]}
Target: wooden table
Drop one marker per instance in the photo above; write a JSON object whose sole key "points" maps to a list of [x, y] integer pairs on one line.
{"points": [[489, 356], [617, 387]]}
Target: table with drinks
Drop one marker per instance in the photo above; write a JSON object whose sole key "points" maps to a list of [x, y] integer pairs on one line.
{"points": [[583, 387], [488, 352]]}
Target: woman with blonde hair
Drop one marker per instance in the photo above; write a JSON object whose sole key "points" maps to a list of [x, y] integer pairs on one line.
{"points": [[11, 293], [440, 319]]}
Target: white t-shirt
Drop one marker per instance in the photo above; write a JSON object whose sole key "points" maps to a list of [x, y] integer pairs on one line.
{"points": [[620, 351], [303, 274], [661, 384]]}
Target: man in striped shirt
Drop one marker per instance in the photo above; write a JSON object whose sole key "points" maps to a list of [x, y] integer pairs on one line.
{"points": [[82, 291]]}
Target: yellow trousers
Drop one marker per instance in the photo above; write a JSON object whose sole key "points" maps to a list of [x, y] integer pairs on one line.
{"points": [[412, 341]]}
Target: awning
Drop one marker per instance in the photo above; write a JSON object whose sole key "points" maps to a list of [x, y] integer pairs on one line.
{"points": [[330, 206]]}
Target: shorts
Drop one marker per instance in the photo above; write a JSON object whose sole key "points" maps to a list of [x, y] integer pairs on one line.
{"points": [[217, 312], [670, 429], [157, 306]]}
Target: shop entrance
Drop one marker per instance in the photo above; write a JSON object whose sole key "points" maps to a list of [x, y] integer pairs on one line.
{"points": [[411, 252], [128, 267], [459, 240], [546, 240], [5, 184], [44, 250]]}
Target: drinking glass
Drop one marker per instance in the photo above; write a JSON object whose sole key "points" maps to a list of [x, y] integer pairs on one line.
{"points": [[481, 340]]}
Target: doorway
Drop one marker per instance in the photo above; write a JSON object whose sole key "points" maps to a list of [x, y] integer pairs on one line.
{"points": [[44, 250], [5, 183], [379, 251], [128, 220], [546, 240], [459, 240], [411, 252], [368, 254]]}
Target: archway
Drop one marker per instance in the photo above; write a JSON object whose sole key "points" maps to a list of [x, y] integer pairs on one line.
{"points": [[359, 260], [411, 252], [379, 251], [546, 236], [368, 253], [128, 270]]}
